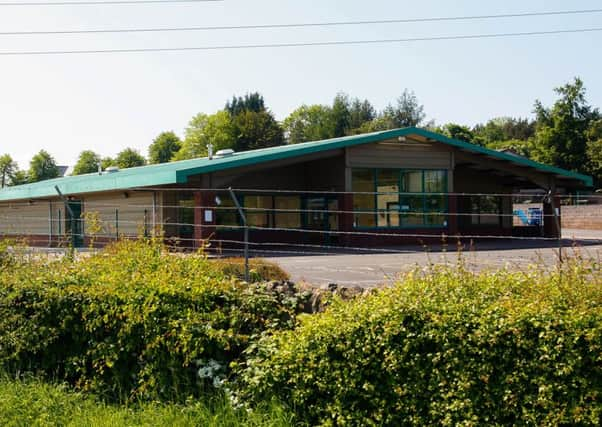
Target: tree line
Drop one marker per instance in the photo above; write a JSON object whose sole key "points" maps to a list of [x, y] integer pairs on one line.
{"points": [[567, 134]]}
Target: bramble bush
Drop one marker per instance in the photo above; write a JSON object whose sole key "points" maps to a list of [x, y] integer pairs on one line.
{"points": [[445, 347], [133, 321]]}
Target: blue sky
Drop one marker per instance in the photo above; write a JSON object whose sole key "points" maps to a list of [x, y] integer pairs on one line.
{"points": [[66, 104]]}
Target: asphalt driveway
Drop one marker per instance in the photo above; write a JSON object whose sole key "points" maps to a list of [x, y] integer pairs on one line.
{"points": [[377, 268]]}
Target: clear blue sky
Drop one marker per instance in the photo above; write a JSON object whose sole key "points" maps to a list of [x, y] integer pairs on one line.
{"points": [[66, 104]]}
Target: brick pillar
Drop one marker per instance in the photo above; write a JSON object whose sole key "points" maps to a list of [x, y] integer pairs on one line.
{"points": [[346, 218], [452, 219], [549, 223], [204, 217]]}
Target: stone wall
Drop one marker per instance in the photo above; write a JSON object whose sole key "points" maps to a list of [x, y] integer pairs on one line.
{"points": [[587, 217]]}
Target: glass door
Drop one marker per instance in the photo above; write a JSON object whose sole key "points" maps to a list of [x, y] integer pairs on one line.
{"points": [[321, 214], [73, 222], [186, 221]]}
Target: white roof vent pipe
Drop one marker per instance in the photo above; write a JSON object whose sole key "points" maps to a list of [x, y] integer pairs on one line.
{"points": [[210, 151], [225, 153]]}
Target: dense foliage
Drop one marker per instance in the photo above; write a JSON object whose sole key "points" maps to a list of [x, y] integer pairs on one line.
{"points": [[164, 147], [442, 347], [8, 168], [129, 158], [87, 162], [562, 131], [445, 347], [133, 321], [41, 167]]}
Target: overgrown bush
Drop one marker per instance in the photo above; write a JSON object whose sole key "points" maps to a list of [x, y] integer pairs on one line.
{"points": [[260, 270], [7, 258], [133, 321], [445, 347]]}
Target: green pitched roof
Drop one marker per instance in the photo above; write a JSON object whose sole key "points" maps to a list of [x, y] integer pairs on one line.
{"points": [[178, 172]]}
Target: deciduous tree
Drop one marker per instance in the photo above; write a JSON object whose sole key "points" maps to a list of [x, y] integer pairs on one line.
{"points": [[594, 151], [456, 131], [86, 163], [309, 123], [8, 168], [257, 130], [19, 178], [129, 158], [164, 147], [216, 129], [561, 132], [42, 167]]}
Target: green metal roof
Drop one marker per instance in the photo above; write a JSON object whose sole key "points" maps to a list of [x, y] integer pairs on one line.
{"points": [[178, 172]]}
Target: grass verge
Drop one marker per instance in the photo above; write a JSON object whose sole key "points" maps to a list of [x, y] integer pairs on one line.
{"points": [[32, 402]]}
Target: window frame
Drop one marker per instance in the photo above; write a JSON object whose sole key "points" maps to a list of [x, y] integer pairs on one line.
{"points": [[270, 213], [400, 201]]}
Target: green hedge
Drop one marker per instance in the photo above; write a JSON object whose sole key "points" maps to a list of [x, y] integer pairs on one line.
{"points": [[446, 347], [132, 321]]}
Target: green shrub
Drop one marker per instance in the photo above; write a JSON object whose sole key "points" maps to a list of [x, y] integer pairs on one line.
{"points": [[7, 258], [447, 347], [261, 270], [133, 321]]}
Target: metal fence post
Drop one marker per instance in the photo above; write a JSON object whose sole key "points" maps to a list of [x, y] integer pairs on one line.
{"points": [[145, 222], [246, 232], [116, 224], [550, 200]]}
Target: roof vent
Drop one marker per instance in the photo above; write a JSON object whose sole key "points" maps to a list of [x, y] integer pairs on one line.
{"points": [[225, 153], [112, 169]]}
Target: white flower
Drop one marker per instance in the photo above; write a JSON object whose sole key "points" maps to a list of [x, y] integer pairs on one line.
{"points": [[219, 381]]}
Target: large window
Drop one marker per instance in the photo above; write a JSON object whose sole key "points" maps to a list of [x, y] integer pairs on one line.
{"points": [[387, 198], [258, 210], [261, 211], [186, 216], [364, 202], [226, 214], [287, 212], [392, 198]]}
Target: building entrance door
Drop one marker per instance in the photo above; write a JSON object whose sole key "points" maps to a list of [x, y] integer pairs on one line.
{"points": [[73, 223], [321, 215], [186, 221]]}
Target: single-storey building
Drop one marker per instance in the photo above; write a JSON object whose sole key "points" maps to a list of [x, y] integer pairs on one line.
{"points": [[379, 188]]}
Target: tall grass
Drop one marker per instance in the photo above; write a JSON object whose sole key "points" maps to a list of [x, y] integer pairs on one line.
{"points": [[32, 402]]}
